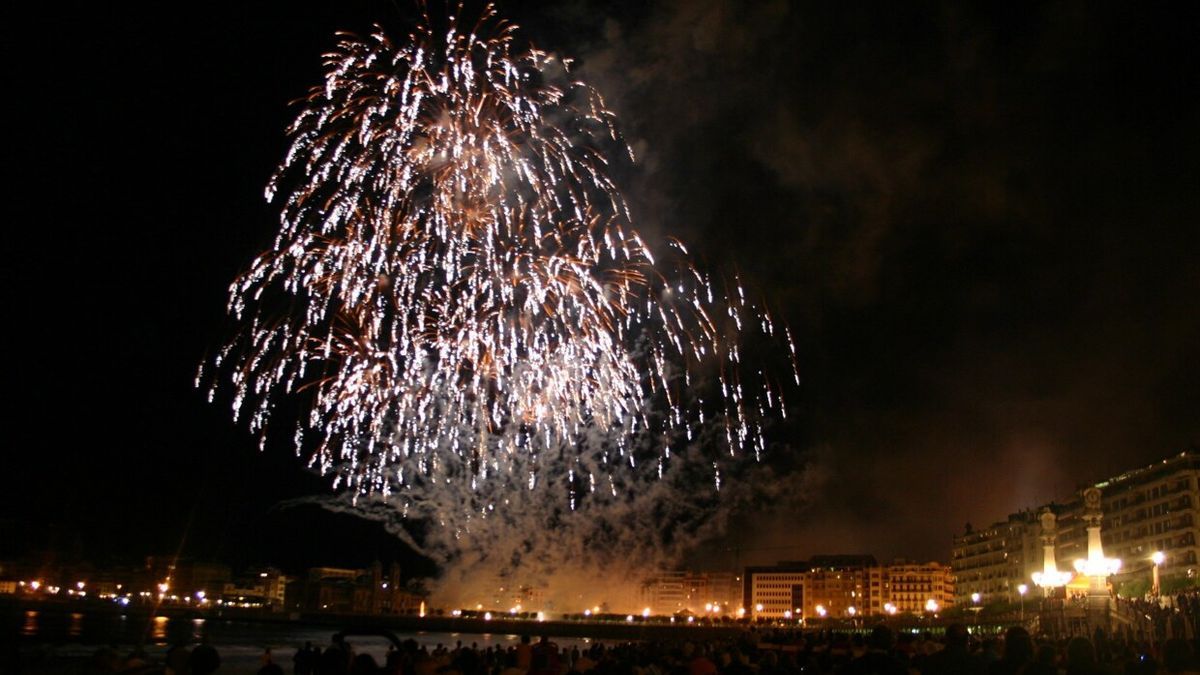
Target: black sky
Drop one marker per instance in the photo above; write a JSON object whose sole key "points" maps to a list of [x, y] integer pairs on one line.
{"points": [[982, 224]]}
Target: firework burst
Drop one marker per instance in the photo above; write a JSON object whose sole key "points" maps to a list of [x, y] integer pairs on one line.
{"points": [[457, 294]]}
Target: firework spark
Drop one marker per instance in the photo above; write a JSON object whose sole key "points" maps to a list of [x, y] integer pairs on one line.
{"points": [[457, 294]]}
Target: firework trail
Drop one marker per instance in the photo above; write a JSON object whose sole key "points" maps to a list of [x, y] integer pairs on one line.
{"points": [[458, 297]]}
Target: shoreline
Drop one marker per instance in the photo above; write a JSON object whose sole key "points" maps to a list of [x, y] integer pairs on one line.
{"points": [[637, 630]]}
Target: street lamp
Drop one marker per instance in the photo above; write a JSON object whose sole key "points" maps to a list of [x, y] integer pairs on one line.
{"points": [[1158, 559], [1022, 589]]}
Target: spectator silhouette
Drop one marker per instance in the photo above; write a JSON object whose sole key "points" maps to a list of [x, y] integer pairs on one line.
{"points": [[204, 659], [877, 659], [1018, 653], [1177, 657], [1081, 657], [303, 661], [269, 667], [955, 658], [364, 664]]}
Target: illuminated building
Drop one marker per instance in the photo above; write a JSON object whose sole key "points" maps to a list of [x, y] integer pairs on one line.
{"points": [[771, 592], [996, 560], [1143, 511], [842, 582], [909, 586], [672, 592], [346, 591], [183, 577], [668, 593], [845, 586], [265, 587], [1153, 508]]}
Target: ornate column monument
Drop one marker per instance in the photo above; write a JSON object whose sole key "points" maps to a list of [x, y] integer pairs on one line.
{"points": [[1050, 578], [1096, 567]]}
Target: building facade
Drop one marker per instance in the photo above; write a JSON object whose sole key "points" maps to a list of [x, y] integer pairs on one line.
{"points": [[996, 560], [917, 587], [774, 592], [846, 586], [1150, 509], [688, 592], [258, 588], [1145, 510], [349, 591]]}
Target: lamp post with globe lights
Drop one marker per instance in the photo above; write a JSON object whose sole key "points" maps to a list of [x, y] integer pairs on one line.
{"points": [[931, 608], [1096, 567], [1051, 579], [1157, 559], [1022, 589]]}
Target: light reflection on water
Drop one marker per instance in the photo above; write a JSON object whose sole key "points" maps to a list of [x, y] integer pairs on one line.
{"points": [[159, 633], [239, 642]]}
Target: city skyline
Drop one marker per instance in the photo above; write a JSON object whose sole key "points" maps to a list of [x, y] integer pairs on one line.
{"points": [[1149, 525], [981, 228]]}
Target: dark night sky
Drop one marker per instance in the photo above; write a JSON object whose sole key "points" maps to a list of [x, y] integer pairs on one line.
{"points": [[982, 224]]}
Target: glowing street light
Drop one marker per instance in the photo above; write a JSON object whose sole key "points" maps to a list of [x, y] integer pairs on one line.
{"points": [[1022, 589], [1050, 577], [1157, 559], [1098, 567], [821, 611], [1095, 566]]}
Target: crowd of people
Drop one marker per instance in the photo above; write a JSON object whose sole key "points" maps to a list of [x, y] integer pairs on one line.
{"points": [[879, 651], [1165, 616]]}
